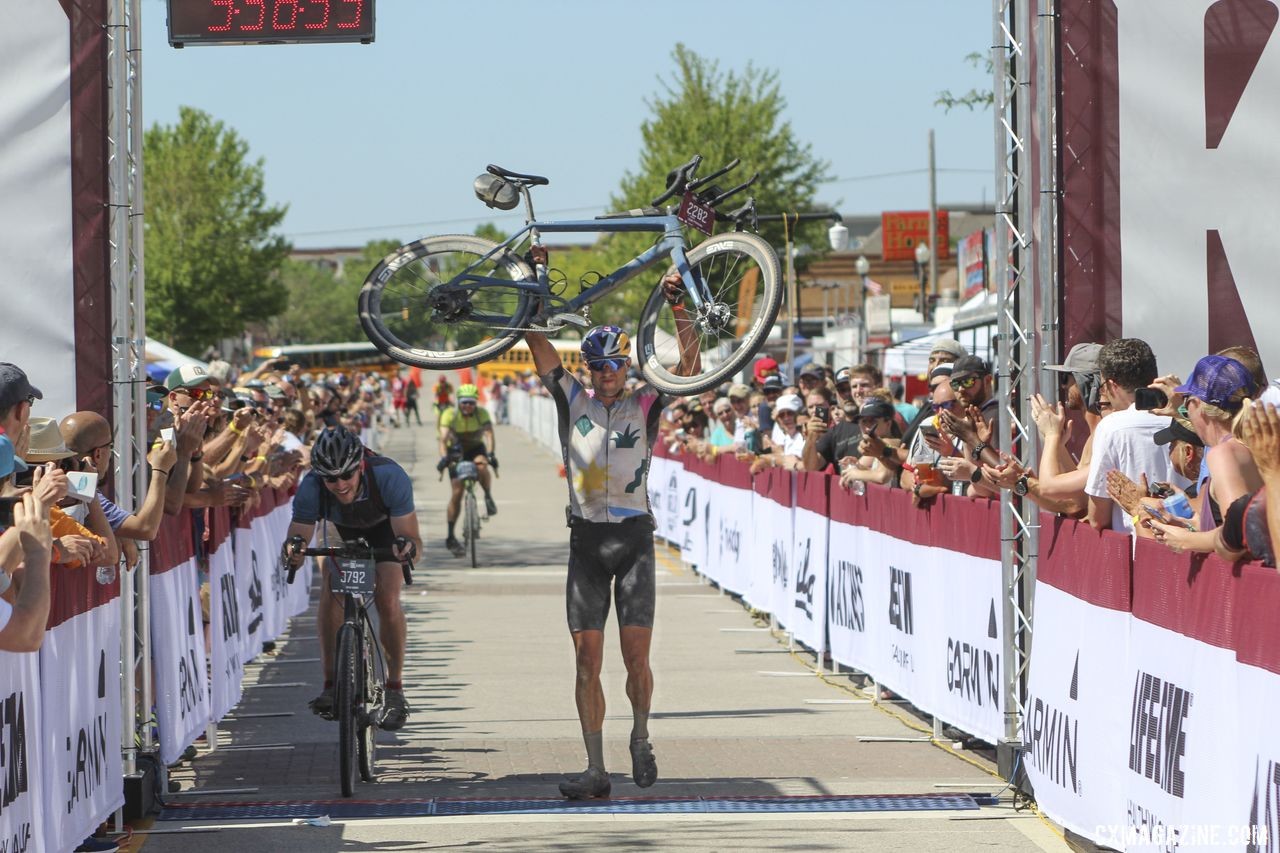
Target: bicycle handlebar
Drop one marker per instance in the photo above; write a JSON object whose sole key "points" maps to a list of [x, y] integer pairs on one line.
{"points": [[678, 178], [359, 549]]}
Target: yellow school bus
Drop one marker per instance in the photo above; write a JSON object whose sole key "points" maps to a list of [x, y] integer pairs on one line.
{"points": [[518, 359]]}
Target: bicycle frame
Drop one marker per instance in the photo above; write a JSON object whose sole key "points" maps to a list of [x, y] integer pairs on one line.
{"points": [[672, 244]]}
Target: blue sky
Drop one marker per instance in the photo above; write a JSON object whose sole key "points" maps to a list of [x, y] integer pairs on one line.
{"points": [[383, 140]]}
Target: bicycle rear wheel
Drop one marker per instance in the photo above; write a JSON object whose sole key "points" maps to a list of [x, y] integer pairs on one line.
{"points": [[345, 698], [740, 272], [414, 310], [367, 745], [471, 522]]}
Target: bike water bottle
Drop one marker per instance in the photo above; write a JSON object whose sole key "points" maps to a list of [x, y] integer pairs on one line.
{"points": [[1177, 504]]}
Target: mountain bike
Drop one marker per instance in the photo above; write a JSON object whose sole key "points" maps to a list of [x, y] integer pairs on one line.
{"points": [[359, 671], [456, 301], [467, 471]]}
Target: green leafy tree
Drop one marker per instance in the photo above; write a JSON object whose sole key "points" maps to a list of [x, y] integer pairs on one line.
{"points": [[720, 115], [974, 98], [321, 305], [212, 262]]}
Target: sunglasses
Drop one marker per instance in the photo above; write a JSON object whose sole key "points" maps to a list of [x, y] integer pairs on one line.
{"points": [[963, 384], [333, 478], [945, 404], [197, 393], [31, 399], [612, 364], [71, 463]]}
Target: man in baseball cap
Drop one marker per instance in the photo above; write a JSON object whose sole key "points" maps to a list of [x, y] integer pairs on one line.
{"points": [[189, 376], [17, 395], [1081, 379], [764, 368]]}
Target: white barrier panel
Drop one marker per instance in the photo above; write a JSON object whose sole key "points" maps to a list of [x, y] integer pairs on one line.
{"points": [[807, 601], [227, 660], [81, 766], [852, 592], [733, 525], [21, 801], [251, 581], [657, 505], [693, 509], [178, 659]]}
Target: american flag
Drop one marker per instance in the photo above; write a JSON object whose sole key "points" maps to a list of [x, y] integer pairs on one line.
{"points": [[872, 286]]}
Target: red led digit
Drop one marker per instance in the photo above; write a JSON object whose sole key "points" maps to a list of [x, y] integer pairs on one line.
{"points": [[293, 17], [229, 4], [355, 22], [262, 16], [324, 22]]}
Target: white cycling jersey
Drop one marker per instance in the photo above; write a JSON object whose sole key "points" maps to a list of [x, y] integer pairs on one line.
{"points": [[606, 449]]}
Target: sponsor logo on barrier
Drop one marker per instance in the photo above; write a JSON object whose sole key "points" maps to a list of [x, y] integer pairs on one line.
{"points": [[730, 539], [1053, 737], [13, 750], [190, 675], [691, 508], [805, 581], [780, 563], [86, 775], [255, 595], [974, 671], [900, 600], [279, 579], [673, 496], [230, 607], [844, 598], [1264, 812], [1157, 731]]}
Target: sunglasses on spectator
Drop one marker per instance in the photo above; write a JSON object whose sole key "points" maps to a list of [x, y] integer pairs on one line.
{"points": [[945, 404], [156, 405], [962, 384], [71, 463], [333, 478], [197, 393], [842, 386], [606, 363], [31, 399], [1182, 410]]}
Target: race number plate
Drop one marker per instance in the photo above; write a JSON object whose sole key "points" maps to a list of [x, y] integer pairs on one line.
{"points": [[695, 214], [351, 575]]}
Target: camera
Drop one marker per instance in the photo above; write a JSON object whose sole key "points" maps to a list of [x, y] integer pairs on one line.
{"points": [[1149, 398], [6, 510]]}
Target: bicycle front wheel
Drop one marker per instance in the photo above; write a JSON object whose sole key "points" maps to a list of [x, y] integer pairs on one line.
{"points": [[739, 272], [346, 696], [418, 307], [367, 746], [472, 528]]}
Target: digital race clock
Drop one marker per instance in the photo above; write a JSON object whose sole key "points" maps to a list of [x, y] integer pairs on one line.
{"points": [[269, 21]]}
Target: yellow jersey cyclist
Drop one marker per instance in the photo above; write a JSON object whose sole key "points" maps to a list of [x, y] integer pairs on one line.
{"points": [[468, 426]]}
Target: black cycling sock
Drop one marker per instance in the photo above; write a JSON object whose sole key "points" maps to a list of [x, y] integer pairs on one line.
{"points": [[486, 493], [451, 524]]}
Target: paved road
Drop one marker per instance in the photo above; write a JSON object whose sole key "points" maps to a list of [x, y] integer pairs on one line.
{"points": [[490, 679]]}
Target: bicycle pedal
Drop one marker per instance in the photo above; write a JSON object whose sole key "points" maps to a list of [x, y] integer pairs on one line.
{"points": [[573, 319]]}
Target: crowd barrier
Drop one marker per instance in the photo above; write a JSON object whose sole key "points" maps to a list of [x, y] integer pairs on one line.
{"points": [[61, 725], [1151, 672]]}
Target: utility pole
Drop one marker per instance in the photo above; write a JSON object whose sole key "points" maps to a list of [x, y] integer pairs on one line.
{"points": [[933, 222]]}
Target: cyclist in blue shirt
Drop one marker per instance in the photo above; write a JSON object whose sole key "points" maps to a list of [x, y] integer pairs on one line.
{"points": [[359, 494]]}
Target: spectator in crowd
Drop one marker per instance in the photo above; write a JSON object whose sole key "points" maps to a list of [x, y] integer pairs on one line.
{"points": [[972, 421], [722, 436], [81, 534], [772, 389], [1124, 440], [1059, 486], [1215, 394], [740, 401], [907, 411], [844, 392], [810, 379], [945, 351], [928, 445], [876, 460], [1251, 524], [1186, 451], [17, 396], [763, 369], [785, 444], [863, 379], [24, 576]]}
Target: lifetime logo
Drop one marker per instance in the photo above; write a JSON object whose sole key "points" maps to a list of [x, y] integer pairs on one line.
{"points": [[1264, 813], [900, 600], [13, 748], [1157, 731]]}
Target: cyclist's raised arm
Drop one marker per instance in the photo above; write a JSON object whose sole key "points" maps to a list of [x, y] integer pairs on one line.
{"points": [[545, 357], [686, 334]]}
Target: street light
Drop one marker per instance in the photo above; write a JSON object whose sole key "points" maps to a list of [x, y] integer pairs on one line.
{"points": [[838, 235], [922, 270], [862, 267]]}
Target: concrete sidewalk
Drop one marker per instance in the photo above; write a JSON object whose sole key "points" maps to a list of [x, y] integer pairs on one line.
{"points": [[490, 680]]}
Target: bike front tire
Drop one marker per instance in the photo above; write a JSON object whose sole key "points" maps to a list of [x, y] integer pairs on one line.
{"points": [[367, 745], [411, 311], [742, 277], [346, 695], [472, 526]]}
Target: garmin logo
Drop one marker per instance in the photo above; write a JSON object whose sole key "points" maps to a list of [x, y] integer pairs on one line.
{"points": [[88, 769], [1053, 737], [844, 597], [900, 600], [1157, 731], [973, 671]]}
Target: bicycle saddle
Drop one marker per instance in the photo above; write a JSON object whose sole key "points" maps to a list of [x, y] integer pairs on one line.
{"points": [[531, 180]]}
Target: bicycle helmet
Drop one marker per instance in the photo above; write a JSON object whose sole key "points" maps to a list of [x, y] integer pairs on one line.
{"points": [[467, 392], [337, 452], [606, 344]]}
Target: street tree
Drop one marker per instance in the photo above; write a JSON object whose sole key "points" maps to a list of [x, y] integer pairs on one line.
{"points": [[701, 109], [212, 262]]}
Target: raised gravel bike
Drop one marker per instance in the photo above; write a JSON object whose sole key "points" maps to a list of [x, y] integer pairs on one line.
{"points": [[456, 301], [359, 673]]}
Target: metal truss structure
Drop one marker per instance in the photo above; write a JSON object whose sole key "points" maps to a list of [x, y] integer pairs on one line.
{"points": [[128, 341], [1022, 58]]}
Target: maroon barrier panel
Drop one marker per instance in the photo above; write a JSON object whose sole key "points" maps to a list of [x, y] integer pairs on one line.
{"points": [[1192, 594], [811, 491], [1257, 641], [730, 472], [1071, 554], [76, 591], [172, 546]]}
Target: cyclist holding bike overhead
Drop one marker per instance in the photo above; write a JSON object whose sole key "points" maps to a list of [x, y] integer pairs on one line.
{"points": [[466, 432], [358, 494], [607, 438]]}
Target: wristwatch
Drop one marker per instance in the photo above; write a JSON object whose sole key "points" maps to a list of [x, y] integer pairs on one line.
{"points": [[1020, 486], [976, 476], [977, 450]]}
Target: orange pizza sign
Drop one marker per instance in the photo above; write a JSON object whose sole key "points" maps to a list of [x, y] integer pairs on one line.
{"points": [[901, 230]]}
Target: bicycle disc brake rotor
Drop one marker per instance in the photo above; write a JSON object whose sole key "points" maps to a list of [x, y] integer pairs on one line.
{"points": [[714, 319], [450, 304]]}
